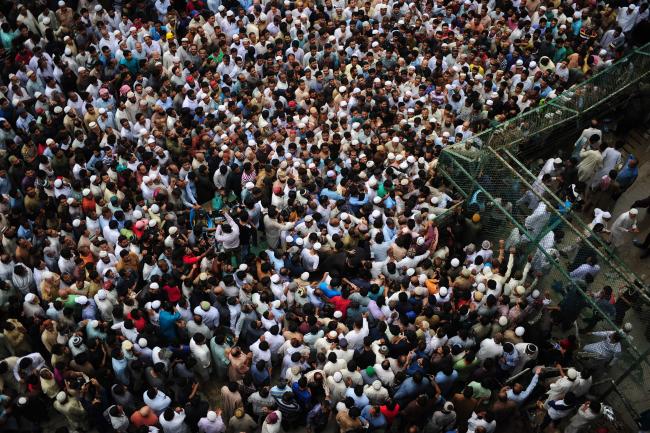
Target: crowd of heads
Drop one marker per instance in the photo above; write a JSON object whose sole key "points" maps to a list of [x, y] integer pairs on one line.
{"points": [[223, 215]]}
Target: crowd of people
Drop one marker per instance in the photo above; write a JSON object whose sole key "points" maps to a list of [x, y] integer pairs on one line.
{"points": [[221, 216]]}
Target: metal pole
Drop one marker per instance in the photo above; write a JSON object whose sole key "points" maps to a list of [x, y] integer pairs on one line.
{"points": [[453, 182]]}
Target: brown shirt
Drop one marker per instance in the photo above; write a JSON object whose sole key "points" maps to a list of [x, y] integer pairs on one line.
{"points": [[464, 408], [347, 423]]}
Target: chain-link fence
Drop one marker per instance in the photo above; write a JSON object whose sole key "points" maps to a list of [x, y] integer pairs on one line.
{"points": [[493, 172]]}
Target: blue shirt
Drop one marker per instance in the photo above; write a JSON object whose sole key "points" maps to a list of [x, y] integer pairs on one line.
{"points": [[627, 175], [303, 396], [330, 293], [167, 323], [360, 401], [446, 382], [260, 377], [523, 395], [331, 194], [121, 372], [375, 421]]}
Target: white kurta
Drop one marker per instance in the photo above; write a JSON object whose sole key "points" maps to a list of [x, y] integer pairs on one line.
{"points": [[611, 158], [583, 417], [621, 229]]}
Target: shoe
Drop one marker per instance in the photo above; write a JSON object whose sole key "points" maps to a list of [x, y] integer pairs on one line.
{"points": [[637, 243]]}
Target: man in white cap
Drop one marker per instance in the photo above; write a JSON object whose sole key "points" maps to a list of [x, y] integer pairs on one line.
{"points": [[72, 409], [31, 306], [563, 384], [624, 227], [104, 305], [627, 17], [306, 227], [106, 261], [443, 420], [212, 422], [336, 387]]}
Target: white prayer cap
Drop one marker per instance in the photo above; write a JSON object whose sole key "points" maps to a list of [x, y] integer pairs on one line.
{"points": [[519, 331]]}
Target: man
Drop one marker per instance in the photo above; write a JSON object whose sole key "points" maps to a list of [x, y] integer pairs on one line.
{"points": [[442, 420], [588, 412], [623, 227], [242, 422], [606, 350], [228, 235], [212, 423], [72, 409], [173, 421], [518, 394], [604, 302], [558, 409]]}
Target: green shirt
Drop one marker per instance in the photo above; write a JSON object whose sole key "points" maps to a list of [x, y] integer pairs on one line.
{"points": [[479, 391], [69, 302]]}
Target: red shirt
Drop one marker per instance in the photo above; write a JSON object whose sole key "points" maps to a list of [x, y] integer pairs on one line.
{"points": [[389, 414], [341, 304], [138, 323], [173, 293], [88, 205], [190, 259]]}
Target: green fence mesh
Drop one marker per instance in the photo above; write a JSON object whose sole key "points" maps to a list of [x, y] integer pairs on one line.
{"points": [[494, 172]]}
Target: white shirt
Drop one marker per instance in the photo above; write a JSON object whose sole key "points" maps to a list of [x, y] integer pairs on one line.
{"points": [[356, 336], [159, 403], [259, 354], [176, 425], [489, 349]]}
